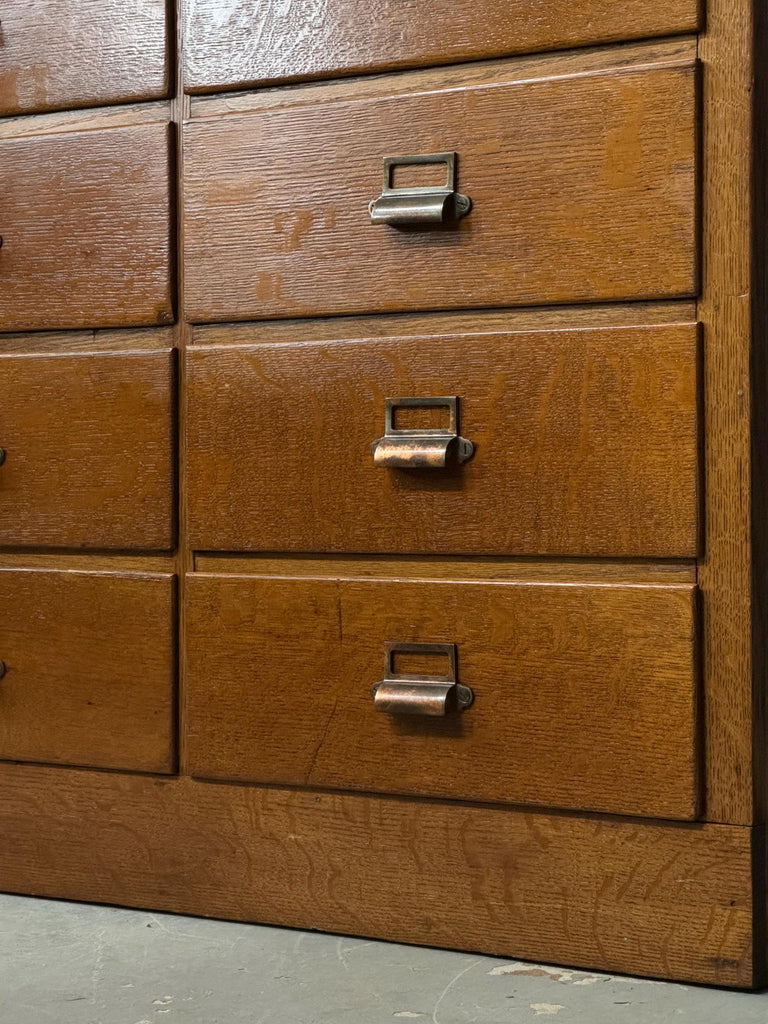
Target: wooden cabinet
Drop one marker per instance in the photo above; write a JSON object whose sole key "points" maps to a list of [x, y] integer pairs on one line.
{"points": [[87, 669], [244, 42], [585, 443], [463, 479], [80, 54], [86, 229], [585, 697], [583, 187], [87, 450]]}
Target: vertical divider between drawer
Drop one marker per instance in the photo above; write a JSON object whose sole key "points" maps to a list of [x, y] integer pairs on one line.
{"points": [[184, 557]]}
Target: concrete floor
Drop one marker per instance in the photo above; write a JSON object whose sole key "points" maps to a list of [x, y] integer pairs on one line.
{"points": [[77, 964]]}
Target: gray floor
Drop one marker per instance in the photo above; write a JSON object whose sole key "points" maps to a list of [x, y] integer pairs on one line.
{"points": [[77, 964]]}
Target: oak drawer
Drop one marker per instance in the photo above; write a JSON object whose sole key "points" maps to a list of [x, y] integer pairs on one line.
{"points": [[87, 450], [86, 229], [89, 669], [84, 53], [583, 188], [584, 695], [585, 443], [247, 42]]}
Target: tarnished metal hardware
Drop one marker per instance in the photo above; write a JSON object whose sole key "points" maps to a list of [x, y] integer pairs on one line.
{"points": [[2, 669], [428, 448], [422, 205], [2, 456], [400, 693]]}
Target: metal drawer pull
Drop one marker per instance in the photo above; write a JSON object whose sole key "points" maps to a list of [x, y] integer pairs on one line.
{"points": [[400, 693], [2, 456], [404, 207], [430, 448]]}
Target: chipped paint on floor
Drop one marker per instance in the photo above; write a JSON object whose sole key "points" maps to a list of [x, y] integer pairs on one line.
{"points": [[518, 969], [523, 970]]}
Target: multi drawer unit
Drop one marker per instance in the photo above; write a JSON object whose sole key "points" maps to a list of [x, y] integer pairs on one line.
{"points": [[382, 471]]}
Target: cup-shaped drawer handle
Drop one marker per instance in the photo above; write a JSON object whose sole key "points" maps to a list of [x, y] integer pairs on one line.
{"points": [[402, 693], [423, 448], [422, 205], [2, 456]]}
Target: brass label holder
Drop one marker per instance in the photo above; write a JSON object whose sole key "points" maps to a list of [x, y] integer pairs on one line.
{"points": [[401, 693], [428, 448], [422, 205]]}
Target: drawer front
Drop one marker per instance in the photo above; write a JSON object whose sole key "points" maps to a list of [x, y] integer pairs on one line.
{"points": [[89, 669], [583, 189], [86, 229], [248, 42], [585, 443], [65, 54], [584, 696], [88, 450]]}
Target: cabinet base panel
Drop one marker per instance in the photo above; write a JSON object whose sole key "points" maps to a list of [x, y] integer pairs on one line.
{"points": [[674, 901]]}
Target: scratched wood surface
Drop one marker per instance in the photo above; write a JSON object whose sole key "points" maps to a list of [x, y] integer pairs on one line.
{"points": [[586, 444], [647, 898], [88, 443], [75, 54], [86, 229], [586, 697], [276, 219], [247, 42], [89, 668]]}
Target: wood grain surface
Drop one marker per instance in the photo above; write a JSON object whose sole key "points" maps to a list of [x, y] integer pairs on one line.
{"points": [[585, 696], [759, 452], [584, 188], [680, 51], [247, 42], [586, 444], [736, 685], [437, 567], [90, 561], [59, 342], [62, 122], [89, 669], [86, 229], [89, 452], [75, 54], [432, 325], [639, 897], [585, 191]]}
